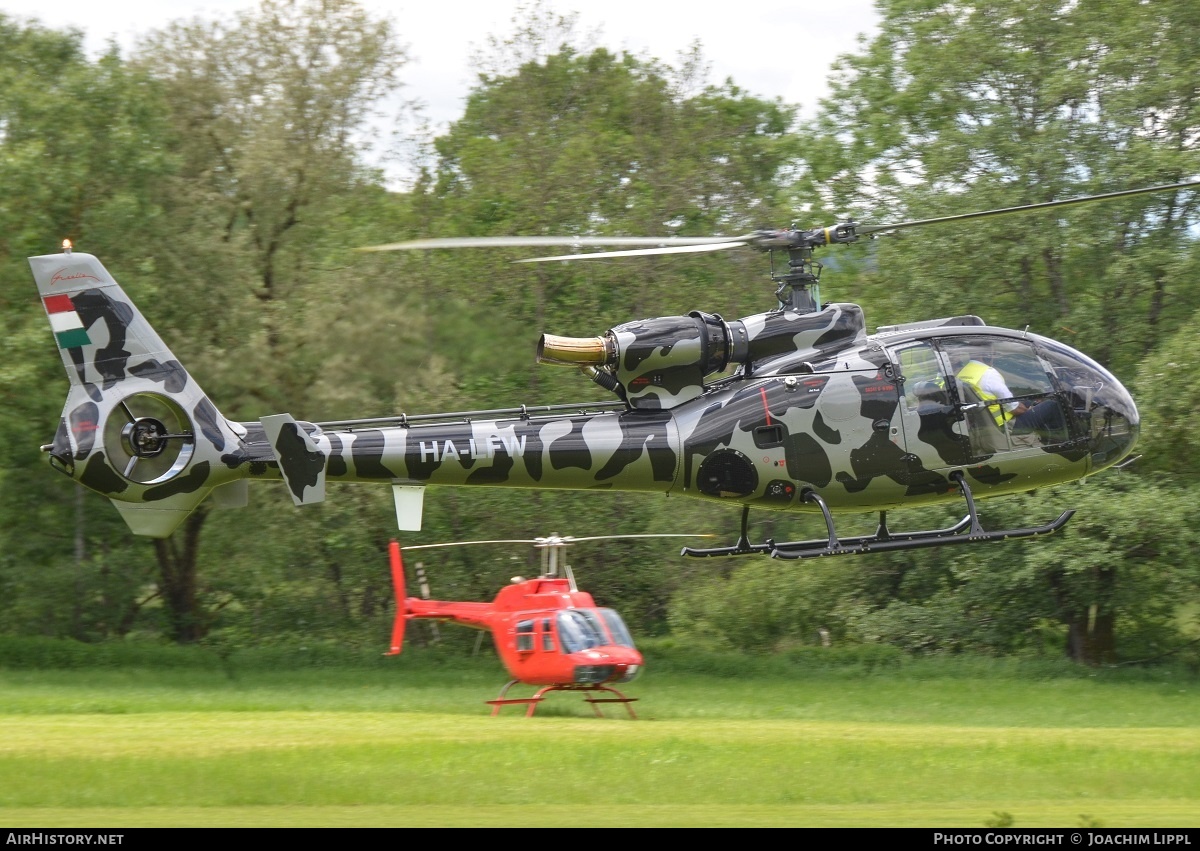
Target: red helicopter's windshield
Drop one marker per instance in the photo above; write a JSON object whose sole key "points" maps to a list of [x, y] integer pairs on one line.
{"points": [[583, 629], [616, 627]]}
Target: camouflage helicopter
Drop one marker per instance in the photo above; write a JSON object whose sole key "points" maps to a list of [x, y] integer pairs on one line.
{"points": [[812, 413]]}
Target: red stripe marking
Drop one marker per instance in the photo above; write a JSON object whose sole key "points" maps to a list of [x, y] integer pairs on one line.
{"points": [[763, 392], [59, 303]]}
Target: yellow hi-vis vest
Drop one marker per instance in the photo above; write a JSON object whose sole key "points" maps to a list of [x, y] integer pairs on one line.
{"points": [[972, 375]]}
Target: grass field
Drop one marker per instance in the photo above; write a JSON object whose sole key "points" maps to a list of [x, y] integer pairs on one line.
{"points": [[952, 744]]}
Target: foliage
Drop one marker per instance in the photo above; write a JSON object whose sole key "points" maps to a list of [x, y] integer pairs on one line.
{"points": [[983, 105], [1167, 384], [760, 607], [220, 175], [1125, 557], [82, 150], [593, 143]]}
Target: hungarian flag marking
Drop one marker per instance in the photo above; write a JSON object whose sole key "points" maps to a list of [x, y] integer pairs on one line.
{"points": [[65, 322]]}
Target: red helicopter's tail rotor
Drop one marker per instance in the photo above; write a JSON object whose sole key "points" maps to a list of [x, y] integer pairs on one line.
{"points": [[401, 605]]}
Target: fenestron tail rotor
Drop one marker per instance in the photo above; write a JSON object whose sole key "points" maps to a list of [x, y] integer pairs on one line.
{"points": [[149, 438]]}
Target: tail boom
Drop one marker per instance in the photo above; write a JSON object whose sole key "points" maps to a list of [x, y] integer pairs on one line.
{"points": [[138, 429]]}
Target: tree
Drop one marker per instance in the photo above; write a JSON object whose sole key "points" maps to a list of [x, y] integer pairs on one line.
{"points": [[82, 150], [563, 138], [975, 106], [566, 141], [1168, 384], [269, 111]]}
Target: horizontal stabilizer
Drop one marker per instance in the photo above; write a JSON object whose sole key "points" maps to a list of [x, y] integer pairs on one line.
{"points": [[301, 462], [232, 495], [160, 518]]}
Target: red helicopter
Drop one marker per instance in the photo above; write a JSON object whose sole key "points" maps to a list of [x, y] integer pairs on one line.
{"points": [[547, 632]]}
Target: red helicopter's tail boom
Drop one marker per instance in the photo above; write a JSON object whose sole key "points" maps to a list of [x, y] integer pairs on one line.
{"points": [[401, 606]]}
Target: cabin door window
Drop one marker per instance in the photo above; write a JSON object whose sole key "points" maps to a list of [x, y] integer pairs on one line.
{"points": [[934, 433], [525, 636]]}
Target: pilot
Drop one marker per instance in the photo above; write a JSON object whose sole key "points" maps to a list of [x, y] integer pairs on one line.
{"points": [[931, 397], [981, 375]]}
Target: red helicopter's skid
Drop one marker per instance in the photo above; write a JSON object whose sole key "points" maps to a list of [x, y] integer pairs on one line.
{"points": [[531, 703]]}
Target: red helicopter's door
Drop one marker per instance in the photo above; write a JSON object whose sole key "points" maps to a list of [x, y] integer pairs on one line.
{"points": [[535, 637]]}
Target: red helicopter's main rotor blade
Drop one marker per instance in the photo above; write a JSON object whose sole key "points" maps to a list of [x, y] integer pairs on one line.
{"points": [[565, 539], [866, 230], [469, 543], [401, 605]]}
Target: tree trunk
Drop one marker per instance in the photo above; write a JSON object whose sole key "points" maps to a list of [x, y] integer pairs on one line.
{"points": [[1091, 637], [177, 555]]}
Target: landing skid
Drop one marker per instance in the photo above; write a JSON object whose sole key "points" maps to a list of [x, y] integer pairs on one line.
{"points": [[966, 531], [531, 703]]}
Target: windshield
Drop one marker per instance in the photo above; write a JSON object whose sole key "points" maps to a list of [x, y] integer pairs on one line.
{"points": [[616, 627], [576, 632], [582, 629]]}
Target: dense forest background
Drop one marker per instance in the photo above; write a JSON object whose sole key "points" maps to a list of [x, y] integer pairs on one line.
{"points": [[220, 172]]}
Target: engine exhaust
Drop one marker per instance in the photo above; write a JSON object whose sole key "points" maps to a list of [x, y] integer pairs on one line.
{"points": [[572, 351]]}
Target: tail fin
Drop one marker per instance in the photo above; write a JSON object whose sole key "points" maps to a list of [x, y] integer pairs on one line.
{"points": [[135, 427], [401, 599]]}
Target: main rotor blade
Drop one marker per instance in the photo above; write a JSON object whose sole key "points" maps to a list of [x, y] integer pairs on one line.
{"points": [[523, 241], [598, 255], [569, 540], [866, 230], [469, 543], [555, 540]]}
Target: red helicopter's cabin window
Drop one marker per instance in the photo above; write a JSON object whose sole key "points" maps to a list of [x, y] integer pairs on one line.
{"points": [[582, 629], [547, 636], [525, 636]]}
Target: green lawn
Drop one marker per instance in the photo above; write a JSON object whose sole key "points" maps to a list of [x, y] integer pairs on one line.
{"points": [[416, 746]]}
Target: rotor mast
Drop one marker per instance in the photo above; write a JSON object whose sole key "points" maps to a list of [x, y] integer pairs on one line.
{"points": [[799, 287]]}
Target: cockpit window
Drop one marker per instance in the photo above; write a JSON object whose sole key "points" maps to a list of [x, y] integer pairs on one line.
{"points": [[1101, 409], [923, 381], [582, 629], [1090, 382], [616, 627], [1016, 361], [1003, 382], [576, 632]]}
